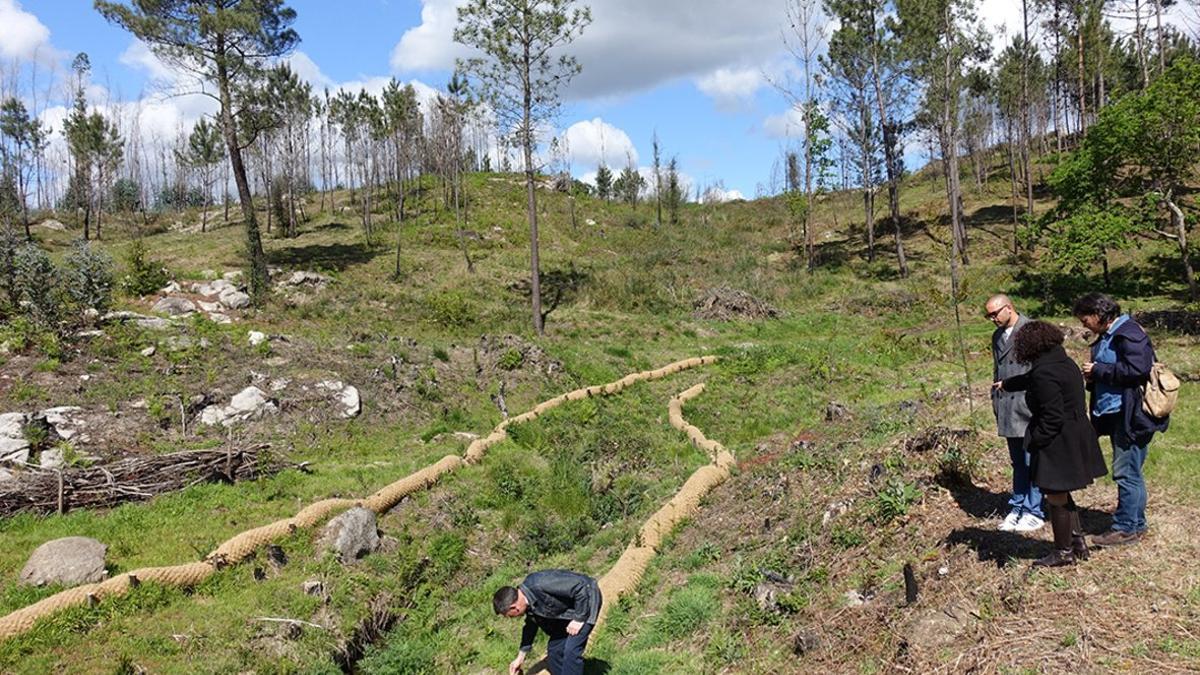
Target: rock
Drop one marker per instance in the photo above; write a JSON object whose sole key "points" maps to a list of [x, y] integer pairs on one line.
{"points": [[250, 403], [6, 476], [65, 420], [214, 287], [209, 306], [589, 221], [232, 276], [835, 411], [208, 274], [351, 535], [465, 436], [143, 321], [302, 278], [170, 288], [854, 598], [69, 561], [313, 587], [347, 397], [52, 459], [52, 224], [6, 347], [804, 642], [280, 384], [12, 425], [936, 628], [234, 299], [148, 351], [15, 450], [217, 317], [174, 306], [256, 338]]}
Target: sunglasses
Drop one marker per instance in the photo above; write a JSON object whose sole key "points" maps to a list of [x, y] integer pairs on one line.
{"points": [[993, 315]]}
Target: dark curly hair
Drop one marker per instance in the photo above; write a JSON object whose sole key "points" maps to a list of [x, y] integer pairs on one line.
{"points": [[1097, 304], [1034, 339]]}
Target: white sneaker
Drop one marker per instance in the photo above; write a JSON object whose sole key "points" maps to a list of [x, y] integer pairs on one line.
{"points": [[1010, 521], [1028, 523]]}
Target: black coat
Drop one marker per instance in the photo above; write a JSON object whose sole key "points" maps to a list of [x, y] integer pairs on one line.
{"points": [[1064, 452]]}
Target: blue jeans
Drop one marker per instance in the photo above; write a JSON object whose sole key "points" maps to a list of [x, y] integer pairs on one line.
{"points": [[1127, 462], [1025, 495], [564, 654]]}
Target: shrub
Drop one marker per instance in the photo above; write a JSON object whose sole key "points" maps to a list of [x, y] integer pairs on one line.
{"points": [[38, 286], [89, 276], [894, 500], [511, 360], [143, 276], [450, 308]]}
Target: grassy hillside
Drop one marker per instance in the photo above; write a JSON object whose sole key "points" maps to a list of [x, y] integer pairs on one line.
{"points": [[828, 503]]}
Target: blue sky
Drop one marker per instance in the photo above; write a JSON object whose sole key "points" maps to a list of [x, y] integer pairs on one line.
{"points": [[698, 72]]}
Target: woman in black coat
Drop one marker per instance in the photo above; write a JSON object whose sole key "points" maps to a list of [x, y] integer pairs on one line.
{"points": [[1064, 452]]}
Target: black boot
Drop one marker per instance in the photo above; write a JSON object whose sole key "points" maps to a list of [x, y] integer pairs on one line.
{"points": [[1079, 545], [1060, 522]]}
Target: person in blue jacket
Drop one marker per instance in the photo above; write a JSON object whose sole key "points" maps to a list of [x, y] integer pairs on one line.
{"points": [[1121, 360], [564, 604]]}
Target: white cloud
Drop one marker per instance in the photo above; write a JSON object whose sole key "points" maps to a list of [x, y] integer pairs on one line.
{"points": [[591, 142], [308, 70], [22, 36], [786, 125], [139, 57], [632, 45], [730, 88]]}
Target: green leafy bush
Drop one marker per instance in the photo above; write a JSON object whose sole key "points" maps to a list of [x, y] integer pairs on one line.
{"points": [[142, 275], [450, 308]]}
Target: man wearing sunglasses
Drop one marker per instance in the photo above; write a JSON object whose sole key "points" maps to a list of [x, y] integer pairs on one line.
{"points": [[1012, 417]]}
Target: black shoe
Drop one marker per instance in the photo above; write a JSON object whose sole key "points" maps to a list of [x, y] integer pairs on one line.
{"points": [[1056, 559], [1079, 547]]}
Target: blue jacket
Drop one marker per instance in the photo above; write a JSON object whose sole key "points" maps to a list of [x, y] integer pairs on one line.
{"points": [[1135, 358]]}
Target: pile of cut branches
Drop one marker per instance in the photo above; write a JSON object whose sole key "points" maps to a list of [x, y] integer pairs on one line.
{"points": [[131, 479]]}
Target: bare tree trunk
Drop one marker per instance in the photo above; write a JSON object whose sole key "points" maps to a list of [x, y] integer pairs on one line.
{"points": [[889, 154], [1180, 224], [1162, 57]]}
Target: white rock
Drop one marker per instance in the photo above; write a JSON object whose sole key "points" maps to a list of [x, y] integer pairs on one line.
{"points": [[148, 351], [85, 377], [234, 299], [208, 274], [6, 476], [234, 275], [218, 317], [249, 403], [209, 306], [256, 338], [64, 419], [14, 450], [52, 458], [854, 598], [141, 320], [589, 221], [174, 306], [139, 404], [280, 384], [351, 535], [12, 425], [5, 347], [52, 224], [301, 278], [347, 397], [170, 288]]}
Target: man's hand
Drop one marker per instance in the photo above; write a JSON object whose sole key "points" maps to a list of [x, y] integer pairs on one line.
{"points": [[998, 385], [1087, 370], [574, 627], [514, 668]]}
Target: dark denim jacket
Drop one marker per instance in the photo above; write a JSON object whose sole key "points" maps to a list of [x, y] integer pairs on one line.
{"points": [[1135, 358]]}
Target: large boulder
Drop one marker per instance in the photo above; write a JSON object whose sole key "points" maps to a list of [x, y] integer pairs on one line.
{"points": [[69, 561], [351, 535], [174, 306], [249, 403]]}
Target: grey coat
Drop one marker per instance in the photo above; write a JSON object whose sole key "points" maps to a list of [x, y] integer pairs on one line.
{"points": [[1012, 414]]}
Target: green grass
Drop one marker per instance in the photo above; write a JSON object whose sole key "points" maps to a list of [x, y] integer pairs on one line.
{"points": [[570, 489]]}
